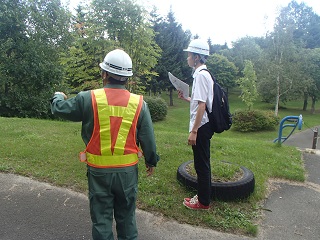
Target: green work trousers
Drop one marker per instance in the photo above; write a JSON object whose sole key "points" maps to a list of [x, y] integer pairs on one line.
{"points": [[113, 192]]}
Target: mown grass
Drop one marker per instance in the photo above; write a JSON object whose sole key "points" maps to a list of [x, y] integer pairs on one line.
{"points": [[48, 151]]}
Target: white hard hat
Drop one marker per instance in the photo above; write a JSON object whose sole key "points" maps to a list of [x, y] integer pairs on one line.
{"points": [[198, 46], [117, 62]]}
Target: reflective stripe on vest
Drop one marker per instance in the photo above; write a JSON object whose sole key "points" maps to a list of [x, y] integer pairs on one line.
{"points": [[113, 157]]}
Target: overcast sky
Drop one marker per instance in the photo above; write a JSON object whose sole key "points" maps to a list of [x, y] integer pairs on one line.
{"points": [[226, 20], [223, 20]]}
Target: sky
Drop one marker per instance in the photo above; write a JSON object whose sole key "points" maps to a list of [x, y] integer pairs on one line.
{"points": [[223, 21]]}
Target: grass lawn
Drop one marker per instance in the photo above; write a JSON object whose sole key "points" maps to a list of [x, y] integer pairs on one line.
{"points": [[48, 151]]}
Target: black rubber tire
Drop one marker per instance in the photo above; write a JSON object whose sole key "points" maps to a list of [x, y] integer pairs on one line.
{"points": [[224, 191]]}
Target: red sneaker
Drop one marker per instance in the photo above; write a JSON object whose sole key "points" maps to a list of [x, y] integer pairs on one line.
{"points": [[195, 205]]}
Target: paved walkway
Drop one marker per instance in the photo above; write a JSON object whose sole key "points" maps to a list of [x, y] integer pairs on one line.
{"points": [[32, 210]]}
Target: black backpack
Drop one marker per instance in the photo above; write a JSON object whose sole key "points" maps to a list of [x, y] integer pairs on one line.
{"points": [[220, 118]]}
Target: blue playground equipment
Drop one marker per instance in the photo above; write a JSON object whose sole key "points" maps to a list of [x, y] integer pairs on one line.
{"points": [[296, 121]]}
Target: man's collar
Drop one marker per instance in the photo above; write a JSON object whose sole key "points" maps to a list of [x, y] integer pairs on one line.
{"points": [[203, 66], [117, 86]]}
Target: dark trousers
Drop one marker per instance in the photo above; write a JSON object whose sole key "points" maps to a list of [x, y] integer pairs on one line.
{"points": [[113, 194], [201, 156]]}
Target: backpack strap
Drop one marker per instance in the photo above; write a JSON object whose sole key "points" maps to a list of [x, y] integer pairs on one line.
{"points": [[214, 81], [207, 70]]}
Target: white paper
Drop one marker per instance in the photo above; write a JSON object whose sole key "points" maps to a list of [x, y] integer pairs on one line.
{"points": [[179, 85]]}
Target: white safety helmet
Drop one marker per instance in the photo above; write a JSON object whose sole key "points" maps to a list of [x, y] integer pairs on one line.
{"points": [[118, 62], [198, 46]]}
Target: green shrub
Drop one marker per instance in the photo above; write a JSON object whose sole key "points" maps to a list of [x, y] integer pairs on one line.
{"points": [[253, 121], [158, 108]]}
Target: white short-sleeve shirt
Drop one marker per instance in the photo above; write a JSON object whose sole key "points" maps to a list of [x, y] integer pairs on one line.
{"points": [[202, 91]]}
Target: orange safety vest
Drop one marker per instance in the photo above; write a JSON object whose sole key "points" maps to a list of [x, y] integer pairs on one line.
{"points": [[113, 141]]}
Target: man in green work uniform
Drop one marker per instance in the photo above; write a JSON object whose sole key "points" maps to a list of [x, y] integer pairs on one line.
{"points": [[114, 123]]}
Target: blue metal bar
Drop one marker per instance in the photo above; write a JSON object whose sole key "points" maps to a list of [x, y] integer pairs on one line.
{"points": [[298, 120]]}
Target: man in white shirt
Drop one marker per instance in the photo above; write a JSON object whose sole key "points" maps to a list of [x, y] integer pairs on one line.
{"points": [[199, 127]]}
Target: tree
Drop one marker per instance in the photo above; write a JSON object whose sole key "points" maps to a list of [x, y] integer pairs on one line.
{"points": [[274, 80], [281, 76], [84, 54], [172, 40], [245, 49], [125, 24], [32, 34], [311, 65], [306, 34], [216, 48], [224, 71], [103, 26], [306, 24], [247, 84], [155, 20]]}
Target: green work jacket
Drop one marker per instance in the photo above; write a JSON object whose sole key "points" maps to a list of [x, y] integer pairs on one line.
{"points": [[79, 109]]}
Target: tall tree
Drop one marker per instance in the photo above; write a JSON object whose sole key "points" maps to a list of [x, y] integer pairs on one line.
{"points": [[84, 54], [32, 34], [155, 19], [125, 23], [224, 71], [274, 81], [248, 84], [172, 40], [306, 24], [245, 49], [306, 34], [310, 60], [216, 48], [280, 75]]}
